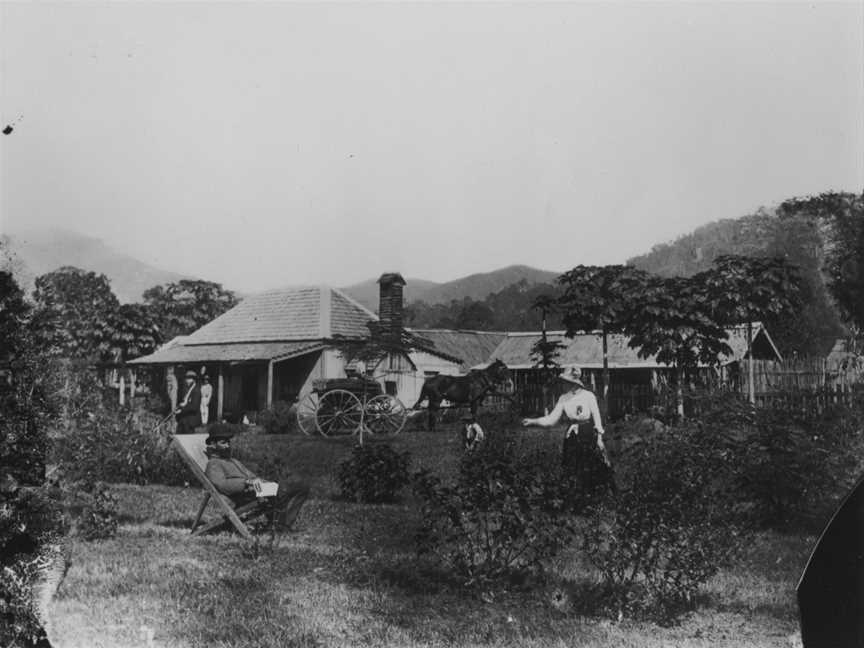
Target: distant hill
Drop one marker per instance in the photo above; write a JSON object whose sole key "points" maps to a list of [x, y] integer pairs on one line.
{"points": [[40, 251], [695, 252], [481, 285], [366, 292], [800, 239], [476, 286]]}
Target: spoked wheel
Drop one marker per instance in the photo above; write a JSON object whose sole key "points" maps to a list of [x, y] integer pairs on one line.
{"points": [[307, 410], [339, 413], [385, 415]]}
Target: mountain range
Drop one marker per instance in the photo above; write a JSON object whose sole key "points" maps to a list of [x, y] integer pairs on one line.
{"points": [[37, 252], [799, 238], [476, 286]]}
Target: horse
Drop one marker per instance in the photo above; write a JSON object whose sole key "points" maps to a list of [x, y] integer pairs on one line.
{"points": [[470, 389]]}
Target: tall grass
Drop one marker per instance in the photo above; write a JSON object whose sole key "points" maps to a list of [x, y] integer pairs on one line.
{"points": [[349, 576]]}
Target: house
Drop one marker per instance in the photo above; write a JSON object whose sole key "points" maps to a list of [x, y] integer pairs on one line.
{"points": [[269, 347], [274, 345], [585, 350]]}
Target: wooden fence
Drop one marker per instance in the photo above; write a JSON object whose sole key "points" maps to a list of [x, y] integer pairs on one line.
{"points": [[795, 385], [798, 375]]}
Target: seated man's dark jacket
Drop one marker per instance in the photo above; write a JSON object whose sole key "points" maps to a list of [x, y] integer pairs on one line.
{"points": [[229, 477]]}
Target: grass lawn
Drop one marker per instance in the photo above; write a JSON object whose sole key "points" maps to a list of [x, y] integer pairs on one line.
{"points": [[348, 576]]}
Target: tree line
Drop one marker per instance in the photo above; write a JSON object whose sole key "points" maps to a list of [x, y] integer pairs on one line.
{"points": [[821, 236], [74, 314]]}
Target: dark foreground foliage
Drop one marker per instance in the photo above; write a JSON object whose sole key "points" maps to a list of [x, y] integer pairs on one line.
{"points": [[119, 447], [505, 515], [670, 529], [374, 473]]}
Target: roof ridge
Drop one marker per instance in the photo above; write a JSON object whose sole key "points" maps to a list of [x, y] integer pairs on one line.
{"points": [[324, 311], [282, 340], [446, 330], [354, 302]]}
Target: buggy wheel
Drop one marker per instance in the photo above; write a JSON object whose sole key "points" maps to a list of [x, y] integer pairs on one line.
{"points": [[307, 409], [339, 413], [385, 415]]}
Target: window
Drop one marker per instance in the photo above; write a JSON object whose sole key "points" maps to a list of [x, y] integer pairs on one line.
{"points": [[390, 387]]}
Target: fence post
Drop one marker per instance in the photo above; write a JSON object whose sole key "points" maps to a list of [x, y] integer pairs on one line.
{"points": [[752, 389]]}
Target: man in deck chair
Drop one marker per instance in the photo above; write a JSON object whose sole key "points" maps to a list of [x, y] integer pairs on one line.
{"points": [[238, 483]]}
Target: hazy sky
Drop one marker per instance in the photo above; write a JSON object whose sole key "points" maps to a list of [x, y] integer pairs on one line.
{"points": [[268, 144]]}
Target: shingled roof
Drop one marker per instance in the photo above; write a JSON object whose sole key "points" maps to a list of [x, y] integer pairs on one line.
{"points": [[301, 313], [271, 325]]}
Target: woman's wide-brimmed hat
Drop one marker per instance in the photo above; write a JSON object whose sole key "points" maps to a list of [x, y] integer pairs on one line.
{"points": [[572, 375]]}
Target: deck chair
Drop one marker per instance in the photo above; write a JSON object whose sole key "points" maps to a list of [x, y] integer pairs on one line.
{"points": [[191, 448]]}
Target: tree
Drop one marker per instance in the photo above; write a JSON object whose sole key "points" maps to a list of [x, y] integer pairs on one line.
{"points": [[14, 313], [31, 519], [746, 289], [842, 219], [474, 316], [545, 352], [72, 308], [675, 321], [600, 297], [184, 306], [133, 332]]}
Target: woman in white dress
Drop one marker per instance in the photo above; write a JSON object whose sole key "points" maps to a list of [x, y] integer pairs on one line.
{"points": [[583, 453]]}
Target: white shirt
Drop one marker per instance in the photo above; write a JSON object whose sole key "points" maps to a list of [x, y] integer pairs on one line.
{"points": [[579, 406]]}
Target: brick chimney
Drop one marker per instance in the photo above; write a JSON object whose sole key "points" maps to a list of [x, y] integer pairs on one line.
{"points": [[390, 304]]}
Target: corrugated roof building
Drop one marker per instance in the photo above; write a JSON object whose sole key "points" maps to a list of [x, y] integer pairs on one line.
{"points": [[585, 350]]}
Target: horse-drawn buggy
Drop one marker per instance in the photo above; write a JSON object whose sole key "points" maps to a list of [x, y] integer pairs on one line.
{"points": [[345, 406]]}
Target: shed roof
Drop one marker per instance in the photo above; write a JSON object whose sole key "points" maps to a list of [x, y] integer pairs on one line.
{"points": [[585, 350], [470, 347]]}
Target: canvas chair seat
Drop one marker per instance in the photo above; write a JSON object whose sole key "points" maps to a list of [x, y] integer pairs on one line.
{"points": [[191, 448]]}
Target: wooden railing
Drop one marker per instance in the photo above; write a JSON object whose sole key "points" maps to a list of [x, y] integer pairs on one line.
{"points": [[799, 384]]}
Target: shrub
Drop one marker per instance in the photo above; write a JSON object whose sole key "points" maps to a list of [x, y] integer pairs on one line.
{"points": [[96, 506], [30, 514], [374, 473], [280, 419], [669, 530], [117, 446], [30, 519], [504, 516], [795, 463]]}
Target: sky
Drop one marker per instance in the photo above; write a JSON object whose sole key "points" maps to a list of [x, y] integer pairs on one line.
{"points": [[261, 145]]}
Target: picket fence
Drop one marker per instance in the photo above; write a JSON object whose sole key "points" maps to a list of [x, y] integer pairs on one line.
{"points": [[794, 385]]}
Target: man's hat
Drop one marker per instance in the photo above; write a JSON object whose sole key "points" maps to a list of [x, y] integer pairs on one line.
{"points": [[572, 375], [220, 431], [191, 374]]}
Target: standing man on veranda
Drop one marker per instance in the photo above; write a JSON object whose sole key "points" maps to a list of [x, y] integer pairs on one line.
{"points": [[206, 395], [188, 412]]}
